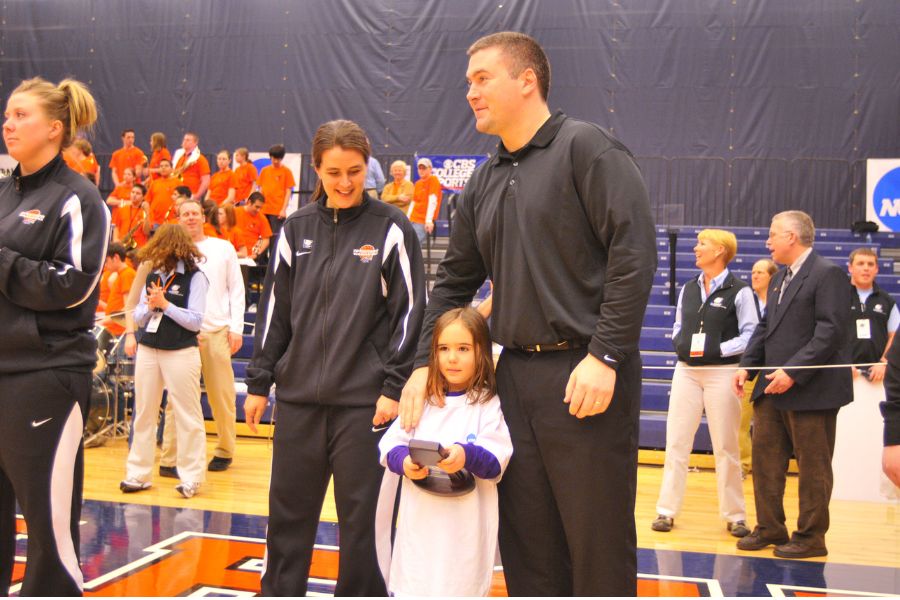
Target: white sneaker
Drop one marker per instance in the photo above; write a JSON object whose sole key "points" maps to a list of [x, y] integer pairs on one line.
{"points": [[188, 490], [129, 486]]}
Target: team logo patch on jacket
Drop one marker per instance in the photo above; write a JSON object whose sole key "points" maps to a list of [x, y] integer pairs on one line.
{"points": [[30, 217], [717, 302], [366, 253]]}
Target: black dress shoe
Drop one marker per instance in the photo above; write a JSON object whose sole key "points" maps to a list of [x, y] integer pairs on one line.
{"points": [[755, 542], [168, 472], [219, 464], [799, 550]]}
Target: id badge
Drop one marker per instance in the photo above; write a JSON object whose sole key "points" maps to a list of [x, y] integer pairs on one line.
{"points": [[698, 343], [863, 329], [153, 323]]}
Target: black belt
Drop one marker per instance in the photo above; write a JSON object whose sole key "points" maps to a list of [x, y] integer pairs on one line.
{"points": [[564, 345]]}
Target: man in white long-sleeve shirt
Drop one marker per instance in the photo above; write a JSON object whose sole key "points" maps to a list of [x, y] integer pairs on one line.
{"points": [[220, 336]]}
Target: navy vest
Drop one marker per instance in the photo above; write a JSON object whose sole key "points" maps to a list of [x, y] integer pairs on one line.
{"points": [[717, 316], [171, 335], [877, 310]]}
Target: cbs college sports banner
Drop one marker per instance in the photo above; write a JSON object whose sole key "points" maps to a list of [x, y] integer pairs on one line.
{"points": [[883, 193], [453, 170]]}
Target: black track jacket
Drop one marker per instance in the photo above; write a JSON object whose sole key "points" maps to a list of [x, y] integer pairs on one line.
{"points": [[54, 228], [342, 307]]}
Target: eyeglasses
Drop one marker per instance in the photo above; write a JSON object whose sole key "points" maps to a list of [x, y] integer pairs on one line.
{"points": [[423, 166]]}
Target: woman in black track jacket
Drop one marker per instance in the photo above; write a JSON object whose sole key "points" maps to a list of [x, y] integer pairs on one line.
{"points": [[53, 232], [336, 331]]}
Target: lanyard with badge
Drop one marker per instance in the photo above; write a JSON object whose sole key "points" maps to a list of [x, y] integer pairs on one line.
{"points": [[698, 340], [863, 326], [156, 317]]}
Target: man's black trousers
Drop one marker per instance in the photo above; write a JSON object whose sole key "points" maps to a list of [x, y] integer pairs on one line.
{"points": [[567, 497]]}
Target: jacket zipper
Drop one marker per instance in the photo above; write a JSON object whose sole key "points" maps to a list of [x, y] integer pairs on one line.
{"points": [[325, 317]]}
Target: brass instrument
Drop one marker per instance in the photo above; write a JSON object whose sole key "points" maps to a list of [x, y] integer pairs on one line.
{"points": [[128, 241]]}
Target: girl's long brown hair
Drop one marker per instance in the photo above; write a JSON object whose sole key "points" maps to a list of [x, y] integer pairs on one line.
{"points": [[483, 386], [168, 245]]}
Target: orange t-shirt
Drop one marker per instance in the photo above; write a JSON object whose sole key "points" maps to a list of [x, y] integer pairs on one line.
{"points": [[244, 178], [104, 288], [192, 175], [159, 196], [252, 227], [123, 192], [273, 183], [424, 188], [219, 184], [127, 157], [210, 231], [125, 219], [236, 236], [89, 165], [73, 164], [156, 158], [119, 286]]}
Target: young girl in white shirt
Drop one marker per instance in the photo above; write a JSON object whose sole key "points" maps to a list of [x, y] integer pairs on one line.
{"points": [[446, 545]]}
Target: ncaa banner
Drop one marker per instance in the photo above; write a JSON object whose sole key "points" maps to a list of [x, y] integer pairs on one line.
{"points": [[883, 193], [453, 170], [291, 160]]}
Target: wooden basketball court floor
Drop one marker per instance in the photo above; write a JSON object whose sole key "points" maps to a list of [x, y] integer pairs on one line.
{"points": [[156, 543]]}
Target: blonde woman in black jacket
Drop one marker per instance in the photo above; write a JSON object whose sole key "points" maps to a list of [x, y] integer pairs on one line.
{"points": [[53, 233]]}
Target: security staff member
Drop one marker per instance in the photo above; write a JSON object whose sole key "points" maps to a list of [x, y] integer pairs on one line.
{"points": [[874, 315], [54, 227], [559, 219], [714, 319]]}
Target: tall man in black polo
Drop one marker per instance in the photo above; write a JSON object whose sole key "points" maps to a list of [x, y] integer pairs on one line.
{"points": [[795, 410], [559, 219], [873, 315]]}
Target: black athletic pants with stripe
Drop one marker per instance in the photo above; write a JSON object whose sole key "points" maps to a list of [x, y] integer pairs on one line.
{"points": [[567, 496], [41, 466], [312, 442]]}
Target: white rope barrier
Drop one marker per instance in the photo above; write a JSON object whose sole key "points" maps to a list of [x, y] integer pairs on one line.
{"points": [[785, 367]]}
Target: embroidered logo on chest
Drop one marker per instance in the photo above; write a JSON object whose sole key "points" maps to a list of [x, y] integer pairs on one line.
{"points": [[30, 217], [366, 253]]}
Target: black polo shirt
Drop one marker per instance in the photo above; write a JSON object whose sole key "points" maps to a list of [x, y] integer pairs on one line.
{"points": [[563, 228]]}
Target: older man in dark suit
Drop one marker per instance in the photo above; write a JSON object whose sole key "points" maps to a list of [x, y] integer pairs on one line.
{"points": [[796, 409]]}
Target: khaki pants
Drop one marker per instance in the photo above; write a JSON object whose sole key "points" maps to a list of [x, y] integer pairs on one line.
{"points": [[218, 378], [695, 391], [179, 372]]}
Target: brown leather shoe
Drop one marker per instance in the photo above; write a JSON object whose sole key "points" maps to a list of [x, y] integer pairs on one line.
{"points": [[799, 550], [755, 542], [662, 523]]}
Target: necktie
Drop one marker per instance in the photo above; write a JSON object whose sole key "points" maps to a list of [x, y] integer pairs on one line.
{"points": [[784, 284]]}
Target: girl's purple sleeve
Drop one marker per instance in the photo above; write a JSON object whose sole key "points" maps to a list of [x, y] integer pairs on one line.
{"points": [[479, 462], [395, 458]]}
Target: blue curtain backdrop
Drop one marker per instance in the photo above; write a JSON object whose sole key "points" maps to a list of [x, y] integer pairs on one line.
{"points": [[735, 108]]}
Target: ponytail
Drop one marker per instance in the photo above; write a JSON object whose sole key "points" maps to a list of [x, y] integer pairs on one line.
{"points": [[70, 102]]}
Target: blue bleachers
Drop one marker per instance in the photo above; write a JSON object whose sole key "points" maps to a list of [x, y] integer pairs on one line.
{"points": [[656, 343]]}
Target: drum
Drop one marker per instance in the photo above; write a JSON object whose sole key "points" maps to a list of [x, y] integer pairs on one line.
{"points": [[122, 372], [104, 339], [98, 414]]}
